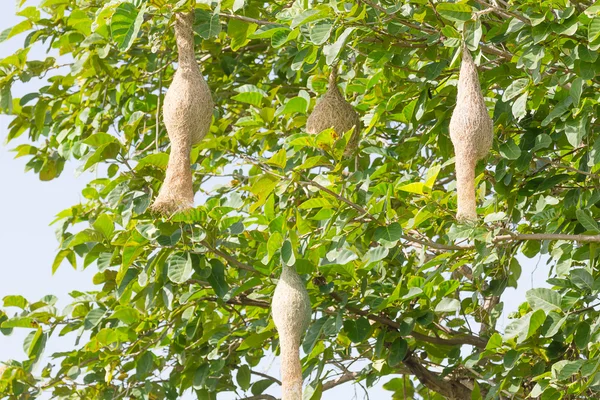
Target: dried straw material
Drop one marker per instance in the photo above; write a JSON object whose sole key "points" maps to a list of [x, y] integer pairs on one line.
{"points": [[291, 314], [333, 111], [187, 113], [471, 132]]}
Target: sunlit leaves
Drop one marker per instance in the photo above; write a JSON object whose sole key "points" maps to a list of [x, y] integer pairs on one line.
{"points": [[125, 24], [454, 11], [373, 234], [180, 268], [332, 51], [544, 299]]}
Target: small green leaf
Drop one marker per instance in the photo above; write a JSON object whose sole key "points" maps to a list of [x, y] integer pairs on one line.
{"points": [[332, 51], [357, 330], [207, 24], [125, 24], [519, 107], [510, 150], [544, 299], [127, 315], [390, 233], [15, 301], [457, 12], [93, 318], [576, 130], [587, 221], [180, 268], [243, 377], [397, 352], [582, 335], [582, 279], [217, 278], [447, 305]]}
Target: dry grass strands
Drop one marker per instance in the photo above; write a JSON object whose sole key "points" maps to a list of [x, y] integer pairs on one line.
{"points": [[471, 131], [187, 113], [333, 111], [291, 314]]}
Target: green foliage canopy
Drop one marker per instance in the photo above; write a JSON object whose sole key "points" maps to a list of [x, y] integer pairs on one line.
{"points": [[182, 303]]}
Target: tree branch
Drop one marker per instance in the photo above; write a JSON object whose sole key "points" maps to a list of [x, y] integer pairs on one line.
{"points": [[346, 377], [547, 236], [451, 389], [228, 258]]}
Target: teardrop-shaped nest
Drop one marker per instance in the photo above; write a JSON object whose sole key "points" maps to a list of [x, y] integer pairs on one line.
{"points": [[291, 305], [333, 111], [187, 113], [188, 105], [471, 128]]}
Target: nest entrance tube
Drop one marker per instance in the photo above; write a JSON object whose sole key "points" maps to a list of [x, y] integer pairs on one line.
{"points": [[291, 314], [187, 113], [333, 111], [471, 132]]}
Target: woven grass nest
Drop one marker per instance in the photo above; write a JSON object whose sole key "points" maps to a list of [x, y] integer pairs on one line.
{"points": [[187, 113], [333, 111], [471, 132], [291, 314]]}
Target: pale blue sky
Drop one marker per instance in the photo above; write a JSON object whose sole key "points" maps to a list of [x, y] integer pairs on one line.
{"points": [[28, 244]]}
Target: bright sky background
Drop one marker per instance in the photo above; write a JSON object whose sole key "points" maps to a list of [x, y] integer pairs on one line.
{"points": [[28, 244]]}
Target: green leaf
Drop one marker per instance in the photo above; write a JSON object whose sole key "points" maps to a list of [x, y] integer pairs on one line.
{"points": [[594, 29], [519, 107], [315, 202], [357, 330], [266, 31], [15, 301], [576, 130], [544, 299], [558, 110], [582, 335], [390, 233], [125, 24], [104, 225], [310, 15], [180, 268], [375, 254], [447, 305], [217, 278], [510, 150], [296, 105], [542, 141], [93, 318], [565, 369], [319, 33], [397, 352], [20, 322], [415, 187], [525, 326], [457, 12], [587, 221], [494, 342], [243, 377], [250, 94], [127, 315], [144, 365], [331, 51], [207, 24], [582, 279], [31, 341], [515, 88], [313, 334], [576, 90]]}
